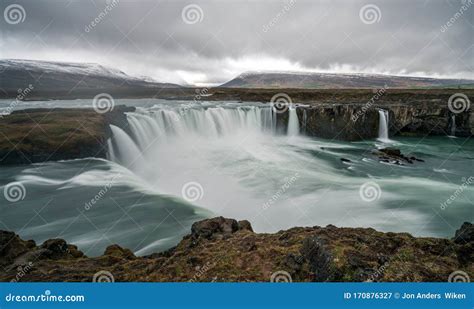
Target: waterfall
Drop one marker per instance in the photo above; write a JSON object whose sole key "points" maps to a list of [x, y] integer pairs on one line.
{"points": [[110, 154], [151, 128], [305, 119], [453, 125], [383, 125], [127, 153], [293, 122]]}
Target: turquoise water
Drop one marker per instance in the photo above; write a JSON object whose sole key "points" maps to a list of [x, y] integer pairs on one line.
{"points": [[224, 159]]}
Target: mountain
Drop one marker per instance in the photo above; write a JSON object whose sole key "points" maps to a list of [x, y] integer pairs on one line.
{"points": [[329, 80], [65, 77]]}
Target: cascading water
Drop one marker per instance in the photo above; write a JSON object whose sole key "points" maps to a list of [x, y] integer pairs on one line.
{"points": [[383, 126], [453, 125], [293, 122], [235, 164], [244, 170], [305, 119], [232, 152]]}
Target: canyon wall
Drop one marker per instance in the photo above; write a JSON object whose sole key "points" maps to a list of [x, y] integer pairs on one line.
{"points": [[354, 122]]}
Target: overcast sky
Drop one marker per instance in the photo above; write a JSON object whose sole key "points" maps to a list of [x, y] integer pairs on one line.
{"points": [[213, 41]]}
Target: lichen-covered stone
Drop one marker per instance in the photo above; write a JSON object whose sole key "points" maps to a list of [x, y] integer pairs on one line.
{"points": [[221, 249]]}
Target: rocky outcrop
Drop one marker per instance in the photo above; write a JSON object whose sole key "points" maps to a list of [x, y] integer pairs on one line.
{"points": [[222, 249], [39, 135], [394, 156], [352, 122]]}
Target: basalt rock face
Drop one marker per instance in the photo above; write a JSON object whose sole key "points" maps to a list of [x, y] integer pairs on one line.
{"points": [[225, 250], [39, 135], [430, 119], [354, 122], [340, 122]]}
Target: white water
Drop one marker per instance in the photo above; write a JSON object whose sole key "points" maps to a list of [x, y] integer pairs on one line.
{"points": [[246, 172], [453, 125], [241, 165], [383, 126], [293, 122]]}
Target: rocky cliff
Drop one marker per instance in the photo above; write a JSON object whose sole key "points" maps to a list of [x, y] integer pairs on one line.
{"points": [[221, 249], [358, 121], [39, 135]]}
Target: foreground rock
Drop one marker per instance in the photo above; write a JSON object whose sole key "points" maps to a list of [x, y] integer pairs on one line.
{"points": [[221, 249], [39, 135]]}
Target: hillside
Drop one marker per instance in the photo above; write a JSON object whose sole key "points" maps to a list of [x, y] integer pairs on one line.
{"points": [[325, 81], [64, 77]]}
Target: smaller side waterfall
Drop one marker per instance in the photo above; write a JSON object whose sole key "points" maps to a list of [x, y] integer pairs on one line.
{"points": [[383, 125], [305, 119], [293, 122], [453, 125], [111, 153]]}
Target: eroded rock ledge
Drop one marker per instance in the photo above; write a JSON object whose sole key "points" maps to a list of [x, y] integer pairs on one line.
{"points": [[39, 135], [221, 249]]}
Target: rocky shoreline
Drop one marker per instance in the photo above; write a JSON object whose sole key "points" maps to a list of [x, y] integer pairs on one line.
{"points": [[39, 135], [226, 250]]}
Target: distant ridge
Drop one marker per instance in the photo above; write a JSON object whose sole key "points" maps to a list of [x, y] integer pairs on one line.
{"points": [[50, 76], [308, 80]]}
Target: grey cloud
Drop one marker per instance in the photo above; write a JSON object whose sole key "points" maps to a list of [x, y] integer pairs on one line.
{"points": [[151, 38]]}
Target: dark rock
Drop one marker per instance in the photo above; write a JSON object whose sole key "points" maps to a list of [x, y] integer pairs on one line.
{"points": [[56, 246], [465, 234], [117, 251], [307, 253], [394, 156], [12, 246], [249, 244], [58, 249], [392, 152], [316, 252], [245, 225], [465, 254], [294, 262], [194, 261], [346, 160], [213, 228]]}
